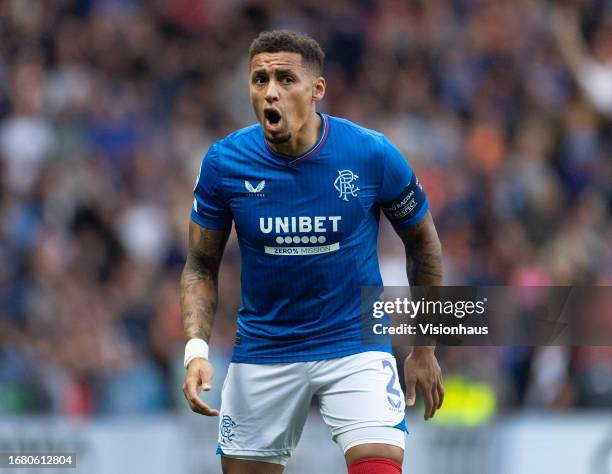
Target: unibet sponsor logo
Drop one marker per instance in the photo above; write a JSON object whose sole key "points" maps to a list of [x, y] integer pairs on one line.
{"points": [[300, 224], [315, 226]]}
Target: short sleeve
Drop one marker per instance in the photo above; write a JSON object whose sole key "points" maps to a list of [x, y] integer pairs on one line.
{"points": [[401, 196], [209, 207]]}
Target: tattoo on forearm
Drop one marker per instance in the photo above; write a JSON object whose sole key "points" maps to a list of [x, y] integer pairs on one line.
{"points": [[199, 281], [424, 269], [423, 254]]}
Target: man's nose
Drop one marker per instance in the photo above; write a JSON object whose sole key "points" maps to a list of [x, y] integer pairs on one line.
{"points": [[271, 92]]}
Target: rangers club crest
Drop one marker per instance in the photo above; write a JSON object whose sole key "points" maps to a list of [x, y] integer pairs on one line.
{"points": [[227, 426], [344, 184]]}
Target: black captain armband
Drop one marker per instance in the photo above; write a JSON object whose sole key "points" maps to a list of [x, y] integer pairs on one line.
{"points": [[409, 207]]}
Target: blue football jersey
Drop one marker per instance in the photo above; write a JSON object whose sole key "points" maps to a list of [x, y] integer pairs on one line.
{"points": [[307, 228]]}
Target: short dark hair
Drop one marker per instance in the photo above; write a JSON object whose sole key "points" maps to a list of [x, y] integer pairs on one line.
{"points": [[289, 42]]}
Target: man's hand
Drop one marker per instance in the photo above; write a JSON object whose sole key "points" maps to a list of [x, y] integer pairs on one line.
{"points": [[199, 375], [421, 370]]}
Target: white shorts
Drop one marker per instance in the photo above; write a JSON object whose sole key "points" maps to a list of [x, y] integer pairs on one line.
{"points": [[264, 406]]}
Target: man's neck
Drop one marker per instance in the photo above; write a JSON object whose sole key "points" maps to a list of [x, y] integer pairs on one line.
{"points": [[304, 139]]}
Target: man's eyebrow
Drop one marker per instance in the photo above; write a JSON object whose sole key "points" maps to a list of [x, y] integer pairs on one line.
{"points": [[279, 71]]}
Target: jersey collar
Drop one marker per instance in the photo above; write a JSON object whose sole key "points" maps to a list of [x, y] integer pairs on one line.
{"points": [[291, 159]]}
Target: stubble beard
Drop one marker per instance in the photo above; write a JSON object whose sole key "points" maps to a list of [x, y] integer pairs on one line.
{"points": [[279, 139]]}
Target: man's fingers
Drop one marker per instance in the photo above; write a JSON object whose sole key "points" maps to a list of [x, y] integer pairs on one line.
{"points": [[410, 392], [206, 378], [192, 395], [426, 392], [203, 409], [440, 389], [437, 395], [435, 399], [198, 406], [191, 386], [432, 404], [423, 373]]}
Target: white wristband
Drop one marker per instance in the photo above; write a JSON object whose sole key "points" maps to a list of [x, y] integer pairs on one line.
{"points": [[195, 348]]}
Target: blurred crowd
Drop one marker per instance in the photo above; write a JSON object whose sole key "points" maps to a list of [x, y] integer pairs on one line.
{"points": [[107, 107]]}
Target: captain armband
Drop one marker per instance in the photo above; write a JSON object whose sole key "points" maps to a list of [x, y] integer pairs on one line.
{"points": [[409, 207]]}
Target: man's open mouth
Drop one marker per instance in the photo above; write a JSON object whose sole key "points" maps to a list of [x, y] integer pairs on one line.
{"points": [[272, 119]]}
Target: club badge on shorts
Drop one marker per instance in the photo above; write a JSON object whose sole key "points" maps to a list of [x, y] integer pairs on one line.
{"points": [[227, 426]]}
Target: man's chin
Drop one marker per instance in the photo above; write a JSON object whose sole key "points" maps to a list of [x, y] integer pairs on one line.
{"points": [[278, 139]]}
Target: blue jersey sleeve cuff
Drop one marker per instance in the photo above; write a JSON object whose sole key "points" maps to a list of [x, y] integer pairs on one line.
{"points": [[209, 223], [414, 220]]}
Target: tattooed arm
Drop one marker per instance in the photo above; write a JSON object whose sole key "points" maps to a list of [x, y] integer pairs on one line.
{"points": [[199, 280], [423, 253], [424, 268], [198, 306]]}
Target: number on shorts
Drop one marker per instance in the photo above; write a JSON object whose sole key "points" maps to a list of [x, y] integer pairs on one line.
{"points": [[391, 385]]}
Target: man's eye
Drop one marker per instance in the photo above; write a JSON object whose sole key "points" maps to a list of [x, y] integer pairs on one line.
{"points": [[259, 80], [287, 80]]}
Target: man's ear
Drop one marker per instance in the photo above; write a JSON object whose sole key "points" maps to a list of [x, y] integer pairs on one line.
{"points": [[318, 89]]}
